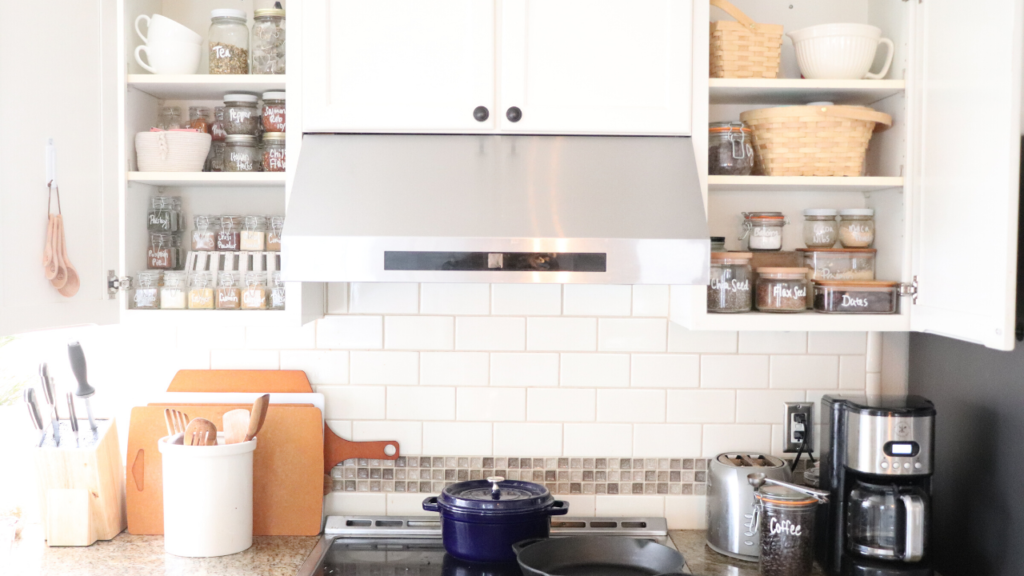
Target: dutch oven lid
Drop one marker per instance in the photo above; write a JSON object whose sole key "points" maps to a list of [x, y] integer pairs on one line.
{"points": [[495, 494]]}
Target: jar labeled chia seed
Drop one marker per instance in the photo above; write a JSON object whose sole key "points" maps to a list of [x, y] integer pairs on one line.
{"points": [[763, 230], [820, 228], [785, 520], [857, 227], [782, 289], [731, 277]]}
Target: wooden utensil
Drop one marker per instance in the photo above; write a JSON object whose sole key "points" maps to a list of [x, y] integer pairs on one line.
{"points": [[176, 421], [73, 282], [49, 266], [201, 432], [236, 425], [61, 277], [259, 414]]}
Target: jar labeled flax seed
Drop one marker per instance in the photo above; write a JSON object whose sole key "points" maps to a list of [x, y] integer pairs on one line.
{"points": [[782, 289]]}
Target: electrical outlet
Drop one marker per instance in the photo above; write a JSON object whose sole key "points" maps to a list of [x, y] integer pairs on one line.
{"points": [[797, 426]]}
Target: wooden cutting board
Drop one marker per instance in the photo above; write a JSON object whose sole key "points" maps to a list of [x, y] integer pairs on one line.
{"points": [[261, 381], [287, 468]]}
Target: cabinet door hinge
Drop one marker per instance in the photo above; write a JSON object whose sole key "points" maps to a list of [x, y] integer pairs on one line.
{"points": [[910, 289], [117, 283]]}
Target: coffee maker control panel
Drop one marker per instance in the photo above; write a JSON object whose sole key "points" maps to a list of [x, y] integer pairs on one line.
{"points": [[888, 444]]}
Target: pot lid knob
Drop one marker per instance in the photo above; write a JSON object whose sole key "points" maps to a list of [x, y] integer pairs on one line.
{"points": [[495, 490]]}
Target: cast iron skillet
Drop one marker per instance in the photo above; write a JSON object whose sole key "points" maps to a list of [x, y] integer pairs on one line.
{"points": [[596, 556]]}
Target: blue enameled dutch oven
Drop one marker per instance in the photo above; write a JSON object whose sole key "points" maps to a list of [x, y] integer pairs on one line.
{"points": [[482, 519]]}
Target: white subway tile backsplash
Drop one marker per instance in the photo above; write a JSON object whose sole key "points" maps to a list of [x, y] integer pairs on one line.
{"points": [[356, 504], [409, 435], [632, 506], [595, 370], [407, 505], [490, 333], [852, 372], [244, 360], [805, 372], [666, 440], [837, 343], [421, 403], [719, 438], [734, 371], [455, 299], [457, 438], [351, 402], [580, 505], [350, 332], [526, 299], [565, 334], [280, 337], [419, 332], [343, 428], [598, 440], [764, 406], [223, 338], [597, 300], [384, 367], [686, 512], [700, 342], [773, 342], [454, 368], [631, 405], [632, 334], [650, 300], [534, 439], [383, 298], [490, 404], [665, 371], [320, 366], [524, 369], [561, 405], [701, 406], [337, 297]]}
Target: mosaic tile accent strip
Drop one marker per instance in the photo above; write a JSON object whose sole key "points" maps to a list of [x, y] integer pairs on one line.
{"points": [[431, 474]]}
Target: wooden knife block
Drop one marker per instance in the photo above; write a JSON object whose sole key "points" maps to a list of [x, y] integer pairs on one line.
{"points": [[81, 485]]}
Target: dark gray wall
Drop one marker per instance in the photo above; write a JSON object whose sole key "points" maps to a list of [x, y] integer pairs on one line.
{"points": [[978, 491]]}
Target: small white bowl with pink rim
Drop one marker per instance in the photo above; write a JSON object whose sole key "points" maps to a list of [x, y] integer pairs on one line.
{"points": [[840, 51]]}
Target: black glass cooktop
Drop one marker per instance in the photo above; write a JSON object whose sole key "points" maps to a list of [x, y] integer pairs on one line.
{"points": [[402, 557]]}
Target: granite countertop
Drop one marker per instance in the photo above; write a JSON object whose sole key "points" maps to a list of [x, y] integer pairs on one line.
{"points": [[128, 554]]}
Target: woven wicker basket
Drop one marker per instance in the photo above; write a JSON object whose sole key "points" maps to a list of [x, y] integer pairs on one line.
{"points": [[744, 49], [814, 140]]}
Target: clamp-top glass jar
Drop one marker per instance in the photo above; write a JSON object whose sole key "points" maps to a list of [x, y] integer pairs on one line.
{"points": [[229, 42], [146, 295], [785, 520], [274, 153], [730, 149], [268, 41], [763, 230]]}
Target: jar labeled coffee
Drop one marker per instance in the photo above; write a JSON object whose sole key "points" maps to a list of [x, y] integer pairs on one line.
{"points": [[785, 521], [229, 234], [857, 227], [240, 114], [200, 291], [273, 111], [173, 293], [763, 230], [146, 295], [254, 231], [730, 286], [228, 40], [241, 154], [730, 149], [229, 295], [782, 289], [274, 234], [820, 228], [204, 237], [254, 293], [277, 292]]}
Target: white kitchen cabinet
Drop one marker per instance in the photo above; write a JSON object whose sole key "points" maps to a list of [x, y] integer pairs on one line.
{"points": [[596, 66], [399, 66]]}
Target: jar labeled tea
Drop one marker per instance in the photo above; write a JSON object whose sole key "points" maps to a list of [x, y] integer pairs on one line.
{"points": [[254, 231], [273, 152], [763, 230], [229, 42], [820, 228], [857, 227], [146, 295], [200, 291], [241, 154], [730, 149], [240, 114], [173, 294], [268, 47], [274, 234], [159, 255], [229, 295], [782, 289], [204, 237], [273, 111], [785, 520], [229, 234], [277, 292], [254, 293], [730, 286]]}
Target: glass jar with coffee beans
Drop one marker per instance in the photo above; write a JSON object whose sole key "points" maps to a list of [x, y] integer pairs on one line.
{"points": [[785, 520]]}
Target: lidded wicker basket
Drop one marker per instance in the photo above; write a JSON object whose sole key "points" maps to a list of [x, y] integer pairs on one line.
{"points": [[744, 49], [814, 140]]}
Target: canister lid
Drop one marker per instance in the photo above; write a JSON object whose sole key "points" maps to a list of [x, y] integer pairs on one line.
{"points": [[731, 256], [512, 496], [857, 212], [782, 496], [837, 250], [763, 215], [274, 136], [783, 270], [268, 12], [857, 283], [274, 95], [718, 238], [820, 212], [240, 98], [227, 13], [240, 139]]}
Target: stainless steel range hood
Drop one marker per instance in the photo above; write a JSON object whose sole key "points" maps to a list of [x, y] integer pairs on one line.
{"points": [[496, 208]]}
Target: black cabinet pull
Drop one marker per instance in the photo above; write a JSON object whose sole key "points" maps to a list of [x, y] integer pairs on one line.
{"points": [[481, 113], [514, 114]]}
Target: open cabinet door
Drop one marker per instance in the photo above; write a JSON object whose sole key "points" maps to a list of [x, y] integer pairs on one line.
{"points": [[60, 82], [965, 189]]}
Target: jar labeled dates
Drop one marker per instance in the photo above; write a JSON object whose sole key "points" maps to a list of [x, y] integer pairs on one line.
{"points": [[729, 289], [274, 152], [241, 154], [240, 114], [782, 289], [865, 297], [785, 520]]}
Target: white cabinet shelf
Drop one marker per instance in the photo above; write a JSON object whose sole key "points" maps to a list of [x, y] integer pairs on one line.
{"points": [[802, 183], [203, 86], [800, 91], [212, 179]]}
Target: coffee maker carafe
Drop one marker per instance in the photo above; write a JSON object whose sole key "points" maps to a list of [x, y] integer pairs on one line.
{"points": [[877, 464]]}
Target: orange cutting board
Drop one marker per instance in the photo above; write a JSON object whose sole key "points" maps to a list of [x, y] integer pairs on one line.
{"points": [[262, 381], [287, 468]]}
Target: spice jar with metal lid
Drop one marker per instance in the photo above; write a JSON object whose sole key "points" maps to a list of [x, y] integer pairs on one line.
{"points": [[217, 131], [200, 118], [857, 227], [158, 256], [274, 152], [174, 291], [241, 154], [240, 114], [782, 289], [200, 291], [277, 291], [730, 149], [254, 231], [268, 47], [785, 519], [163, 215], [254, 293], [228, 41], [178, 253], [820, 227], [229, 234], [274, 111], [146, 292], [204, 237], [729, 289], [274, 234], [228, 293], [763, 230]]}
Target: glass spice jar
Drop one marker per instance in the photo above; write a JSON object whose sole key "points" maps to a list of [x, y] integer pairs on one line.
{"points": [[240, 114], [200, 291], [176, 203], [241, 154], [857, 227], [254, 231], [820, 228], [173, 291], [146, 295], [163, 216], [274, 112], [228, 41], [169, 118], [277, 292], [254, 294], [200, 118], [158, 257], [229, 235], [217, 131], [274, 233], [785, 519], [228, 293], [730, 149], [177, 252], [764, 230], [268, 46], [729, 290], [782, 289], [274, 152], [204, 237]]}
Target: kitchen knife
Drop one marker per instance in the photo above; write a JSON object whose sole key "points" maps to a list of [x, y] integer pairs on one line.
{"points": [[33, 412], [84, 391], [71, 413], [51, 400]]}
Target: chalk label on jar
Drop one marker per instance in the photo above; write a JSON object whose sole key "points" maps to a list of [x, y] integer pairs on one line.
{"points": [[163, 222], [145, 298], [239, 114], [766, 232], [855, 302], [789, 292], [784, 527], [242, 160], [732, 285], [277, 297]]}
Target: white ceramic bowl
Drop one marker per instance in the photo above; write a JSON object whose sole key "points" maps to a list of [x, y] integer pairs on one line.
{"points": [[839, 51]]}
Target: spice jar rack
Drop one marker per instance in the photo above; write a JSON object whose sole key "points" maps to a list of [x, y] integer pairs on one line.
{"points": [[232, 262]]}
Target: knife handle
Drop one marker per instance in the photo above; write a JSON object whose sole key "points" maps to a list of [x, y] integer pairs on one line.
{"points": [[33, 408], [47, 384], [77, 358]]}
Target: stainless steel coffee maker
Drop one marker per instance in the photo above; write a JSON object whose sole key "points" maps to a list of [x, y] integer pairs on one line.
{"points": [[877, 464]]}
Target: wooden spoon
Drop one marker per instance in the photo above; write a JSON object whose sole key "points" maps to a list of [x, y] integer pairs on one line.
{"points": [[73, 283], [236, 425], [201, 432], [259, 414], [61, 278], [51, 236], [48, 245]]}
